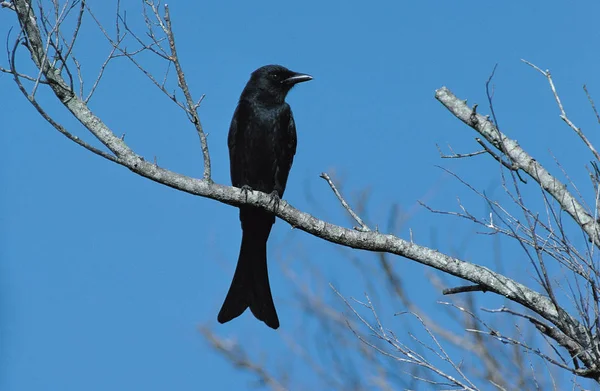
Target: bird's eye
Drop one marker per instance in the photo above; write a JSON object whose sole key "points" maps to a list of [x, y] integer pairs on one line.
{"points": [[274, 76]]}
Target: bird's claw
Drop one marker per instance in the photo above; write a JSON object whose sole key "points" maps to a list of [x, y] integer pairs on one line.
{"points": [[275, 200], [245, 189]]}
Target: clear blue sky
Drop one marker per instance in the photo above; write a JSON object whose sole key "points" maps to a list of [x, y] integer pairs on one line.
{"points": [[105, 276]]}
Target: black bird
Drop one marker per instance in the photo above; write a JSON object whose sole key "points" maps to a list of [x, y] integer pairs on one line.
{"points": [[262, 144]]}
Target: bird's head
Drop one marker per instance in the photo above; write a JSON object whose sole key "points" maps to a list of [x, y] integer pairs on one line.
{"points": [[271, 83]]}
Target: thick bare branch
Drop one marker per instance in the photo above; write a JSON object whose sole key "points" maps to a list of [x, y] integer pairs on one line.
{"points": [[7, 4], [521, 159]]}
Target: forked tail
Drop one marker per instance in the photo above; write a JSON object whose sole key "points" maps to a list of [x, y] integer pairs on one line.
{"points": [[250, 286]]}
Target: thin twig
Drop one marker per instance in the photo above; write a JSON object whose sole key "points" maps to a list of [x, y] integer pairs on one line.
{"points": [[233, 352], [50, 120], [457, 155], [591, 102], [499, 159], [406, 354], [75, 33], [563, 114], [22, 76], [363, 227], [192, 108], [101, 72]]}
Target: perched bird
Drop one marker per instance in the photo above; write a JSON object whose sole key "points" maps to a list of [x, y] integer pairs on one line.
{"points": [[262, 144]]}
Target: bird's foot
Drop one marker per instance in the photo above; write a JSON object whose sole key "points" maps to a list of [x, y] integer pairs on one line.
{"points": [[275, 200], [245, 189]]}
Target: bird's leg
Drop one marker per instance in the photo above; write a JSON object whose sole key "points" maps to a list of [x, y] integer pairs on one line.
{"points": [[275, 199], [245, 189]]}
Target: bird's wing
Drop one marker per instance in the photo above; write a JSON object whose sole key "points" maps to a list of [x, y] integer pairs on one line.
{"points": [[235, 142], [286, 149], [292, 142]]}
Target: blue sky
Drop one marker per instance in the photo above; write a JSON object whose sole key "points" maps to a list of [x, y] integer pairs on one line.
{"points": [[105, 276]]}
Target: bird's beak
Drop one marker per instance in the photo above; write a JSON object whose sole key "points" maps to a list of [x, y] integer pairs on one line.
{"points": [[297, 78]]}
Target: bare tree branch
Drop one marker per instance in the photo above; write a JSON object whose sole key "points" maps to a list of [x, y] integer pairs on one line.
{"points": [[522, 160], [192, 107], [563, 114], [238, 357], [52, 54], [363, 227], [455, 155]]}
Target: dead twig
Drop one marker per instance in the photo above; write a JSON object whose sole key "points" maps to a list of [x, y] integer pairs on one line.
{"points": [[362, 226]]}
